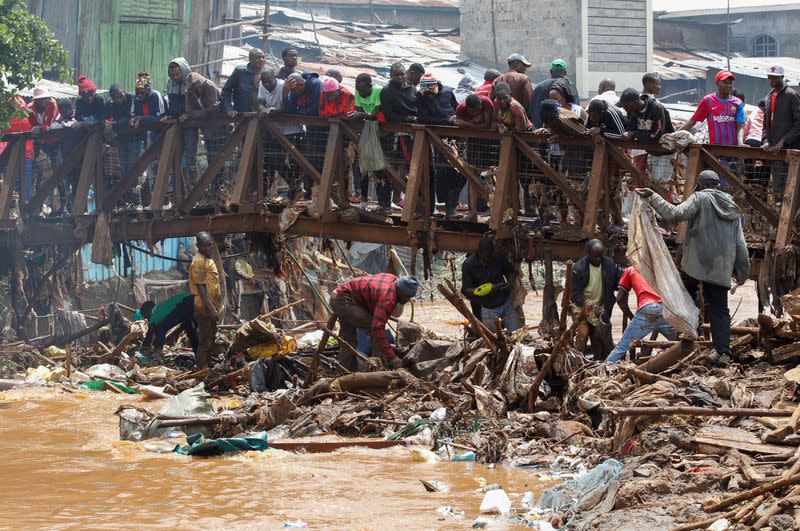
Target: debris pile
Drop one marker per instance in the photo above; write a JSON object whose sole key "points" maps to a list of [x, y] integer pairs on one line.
{"points": [[682, 437]]}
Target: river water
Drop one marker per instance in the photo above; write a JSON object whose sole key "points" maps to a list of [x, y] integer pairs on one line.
{"points": [[64, 467]]}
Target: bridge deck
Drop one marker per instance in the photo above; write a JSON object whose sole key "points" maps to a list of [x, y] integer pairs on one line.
{"points": [[574, 187]]}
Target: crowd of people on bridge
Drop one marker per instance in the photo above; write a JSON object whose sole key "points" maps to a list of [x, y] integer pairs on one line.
{"points": [[504, 102]]}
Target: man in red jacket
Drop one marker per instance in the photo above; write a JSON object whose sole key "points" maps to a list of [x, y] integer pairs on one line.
{"points": [[367, 302]]}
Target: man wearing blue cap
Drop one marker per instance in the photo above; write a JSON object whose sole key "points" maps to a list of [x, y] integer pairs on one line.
{"points": [[367, 302]]}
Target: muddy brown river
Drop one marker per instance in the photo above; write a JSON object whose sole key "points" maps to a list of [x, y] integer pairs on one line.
{"points": [[65, 468]]}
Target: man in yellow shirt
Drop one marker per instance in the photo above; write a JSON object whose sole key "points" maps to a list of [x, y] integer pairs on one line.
{"points": [[204, 285], [595, 278]]}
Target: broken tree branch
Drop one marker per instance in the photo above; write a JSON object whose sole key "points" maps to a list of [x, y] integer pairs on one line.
{"points": [[697, 411]]}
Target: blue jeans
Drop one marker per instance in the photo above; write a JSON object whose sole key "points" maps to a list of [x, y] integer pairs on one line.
{"points": [[648, 319], [506, 312]]}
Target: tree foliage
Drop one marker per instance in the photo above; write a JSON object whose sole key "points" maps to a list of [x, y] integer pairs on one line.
{"points": [[27, 50]]}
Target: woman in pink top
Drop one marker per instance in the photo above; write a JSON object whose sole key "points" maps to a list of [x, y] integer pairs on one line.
{"points": [[754, 125]]}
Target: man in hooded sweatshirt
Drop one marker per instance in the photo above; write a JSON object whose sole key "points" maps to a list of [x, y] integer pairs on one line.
{"points": [[714, 249], [202, 103], [177, 108]]}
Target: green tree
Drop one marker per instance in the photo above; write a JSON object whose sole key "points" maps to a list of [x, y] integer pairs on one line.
{"points": [[27, 50]]}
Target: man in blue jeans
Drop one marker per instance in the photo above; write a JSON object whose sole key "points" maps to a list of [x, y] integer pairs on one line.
{"points": [[649, 316]]}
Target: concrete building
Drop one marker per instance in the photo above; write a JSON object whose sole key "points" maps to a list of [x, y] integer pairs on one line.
{"points": [[757, 31], [422, 14], [597, 38]]}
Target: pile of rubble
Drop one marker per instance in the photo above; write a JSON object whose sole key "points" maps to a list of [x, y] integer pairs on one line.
{"points": [[681, 438]]}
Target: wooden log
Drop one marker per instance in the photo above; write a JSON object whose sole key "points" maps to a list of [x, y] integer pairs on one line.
{"points": [[565, 299], [558, 350], [669, 357], [703, 524], [596, 181], [786, 353], [789, 428], [458, 302], [752, 493], [696, 411], [650, 378], [311, 377], [775, 508], [69, 338], [416, 172]]}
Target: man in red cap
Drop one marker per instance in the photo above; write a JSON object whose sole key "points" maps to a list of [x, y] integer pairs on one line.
{"points": [[89, 108], [723, 112], [781, 125]]}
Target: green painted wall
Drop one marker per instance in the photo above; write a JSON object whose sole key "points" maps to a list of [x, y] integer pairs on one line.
{"points": [[120, 38]]}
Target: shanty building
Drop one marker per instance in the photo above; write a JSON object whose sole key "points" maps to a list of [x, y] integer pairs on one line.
{"points": [[112, 40]]}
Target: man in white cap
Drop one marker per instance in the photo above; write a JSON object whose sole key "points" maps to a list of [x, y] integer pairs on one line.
{"points": [[714, 249], [781, 125], [518, 81], [43, 110]]}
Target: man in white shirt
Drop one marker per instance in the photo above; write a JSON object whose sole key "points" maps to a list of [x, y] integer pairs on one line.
{"points": [[607, 91], [271, 95]]}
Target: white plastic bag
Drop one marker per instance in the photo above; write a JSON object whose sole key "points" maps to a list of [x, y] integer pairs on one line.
{"points": [[370, 152], [648, 253]]}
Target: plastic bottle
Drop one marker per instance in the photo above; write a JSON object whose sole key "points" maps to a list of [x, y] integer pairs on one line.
{"points": [[466, 456], [491, 486]]}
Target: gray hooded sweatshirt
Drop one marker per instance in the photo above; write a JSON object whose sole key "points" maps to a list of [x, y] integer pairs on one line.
{"points": [[714, 248], [175, 96], [180, 87]]}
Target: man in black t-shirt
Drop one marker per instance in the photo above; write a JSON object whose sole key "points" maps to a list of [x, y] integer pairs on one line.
{"points": [[486, 279]]}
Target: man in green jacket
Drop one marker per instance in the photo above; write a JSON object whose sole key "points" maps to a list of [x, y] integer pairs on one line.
{"points": [[164, 316], [713, 251]]}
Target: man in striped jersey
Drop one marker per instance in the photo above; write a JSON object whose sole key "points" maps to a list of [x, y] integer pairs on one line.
{"points": [[724, 114]]}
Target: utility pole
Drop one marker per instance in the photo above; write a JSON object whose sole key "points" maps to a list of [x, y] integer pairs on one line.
{"points": [[728, 39]]}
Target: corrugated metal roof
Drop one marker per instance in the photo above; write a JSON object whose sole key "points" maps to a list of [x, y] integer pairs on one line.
{"points": [[760, 7], [452, 4], [355, 46], [675, 63]]}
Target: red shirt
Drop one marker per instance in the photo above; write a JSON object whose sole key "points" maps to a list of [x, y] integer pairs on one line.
{"points": [[378, 293], [483, 118], [343, 105], [20, 125], [644, 293], [485, 89]]}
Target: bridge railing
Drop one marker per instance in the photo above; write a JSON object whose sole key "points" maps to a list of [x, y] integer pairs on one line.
{"points": [[566, 183]]}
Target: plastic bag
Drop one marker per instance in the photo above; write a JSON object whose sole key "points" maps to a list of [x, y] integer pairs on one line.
{"points": [[370, 152], [648, 253]]}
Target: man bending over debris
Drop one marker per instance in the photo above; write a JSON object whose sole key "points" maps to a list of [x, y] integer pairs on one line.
{"points": [[204, 285], [595, 277], [649, 313], [162, 317], [487, 278], [367, 302], [714, 249]]}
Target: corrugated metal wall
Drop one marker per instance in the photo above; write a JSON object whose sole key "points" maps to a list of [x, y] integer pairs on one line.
{"points": [[110, 41], [142, 263], [144, 36]]}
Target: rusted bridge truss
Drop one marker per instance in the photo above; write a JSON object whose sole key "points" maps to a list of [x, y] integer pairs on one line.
{"points": [[576, 181]]}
